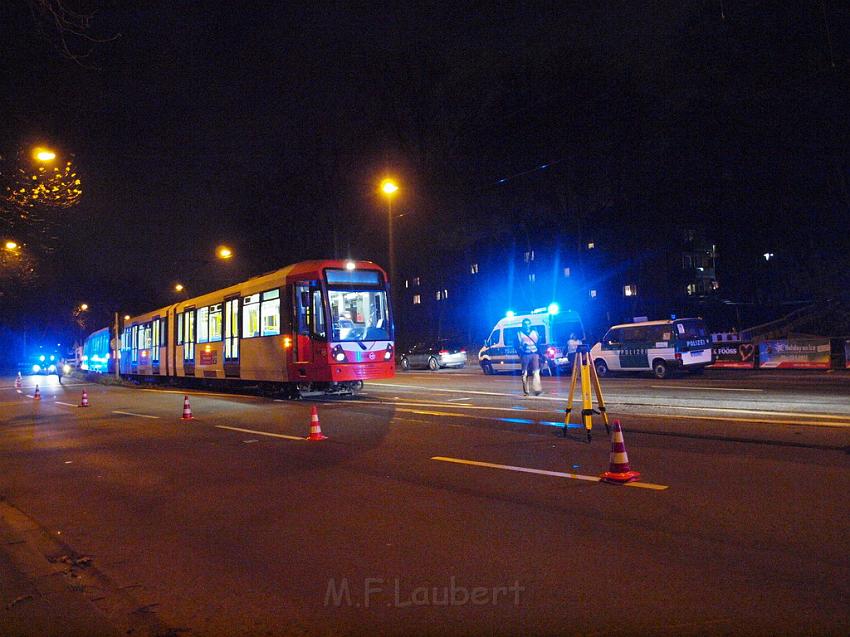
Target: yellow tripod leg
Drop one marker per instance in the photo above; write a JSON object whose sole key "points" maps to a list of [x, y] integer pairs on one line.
{"points": [[586, 404], [569, 408], [598, 387]]}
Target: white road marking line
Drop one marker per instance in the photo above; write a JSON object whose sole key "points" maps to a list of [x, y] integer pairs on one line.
{"points": [[765, 421], [259, 433], [248, 442], [130, 413], [543, 472], [452, 400], [704, 388], [59, 402]]}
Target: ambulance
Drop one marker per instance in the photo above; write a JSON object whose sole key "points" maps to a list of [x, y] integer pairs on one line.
{"points": [[661, 347], [554, 327]]}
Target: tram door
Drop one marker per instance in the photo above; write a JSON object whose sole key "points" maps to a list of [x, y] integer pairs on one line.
{"points": [[301, 306], [231, 337]]}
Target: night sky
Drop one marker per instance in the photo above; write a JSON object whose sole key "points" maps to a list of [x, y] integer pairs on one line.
{"points": [[267, 126]]}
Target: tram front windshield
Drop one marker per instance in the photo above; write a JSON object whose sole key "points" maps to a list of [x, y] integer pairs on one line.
{"points": [[359, 315]]}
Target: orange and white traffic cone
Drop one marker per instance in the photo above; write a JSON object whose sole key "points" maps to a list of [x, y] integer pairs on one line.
{"points": [[187, 409], [315, 426], [19, 382], [37, 394], [619, 471], [84, 401]]}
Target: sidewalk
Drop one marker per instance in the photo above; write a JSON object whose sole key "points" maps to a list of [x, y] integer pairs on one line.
{"points": [[38, 597]]}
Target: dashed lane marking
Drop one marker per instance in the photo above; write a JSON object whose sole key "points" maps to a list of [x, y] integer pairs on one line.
{"points": [[259, 433], [544, 472], [59, 402], [705, 388], [132, 413]]}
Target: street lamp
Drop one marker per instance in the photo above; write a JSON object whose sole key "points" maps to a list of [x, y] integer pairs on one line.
{"points": [[390, 188], [223, 252], [43, 154], [11, 246], [84, 307], [179, 287]]}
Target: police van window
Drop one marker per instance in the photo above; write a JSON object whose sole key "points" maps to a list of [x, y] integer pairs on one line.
{"points": [[692, 329], [203, 324], [251, 316], [494, 337], [271, 313], [611, 336]]}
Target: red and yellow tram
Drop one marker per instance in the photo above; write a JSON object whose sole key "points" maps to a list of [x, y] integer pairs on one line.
{"points": [[311, 326]]}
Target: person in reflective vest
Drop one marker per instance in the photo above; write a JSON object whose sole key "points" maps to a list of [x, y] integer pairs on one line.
{"points": [[527, 347]]}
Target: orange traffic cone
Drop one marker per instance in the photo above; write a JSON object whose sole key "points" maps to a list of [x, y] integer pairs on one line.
{"points": [[84, 402], [37, 394], [619, 471], [187, 410], [315, 427], [19, 381]]}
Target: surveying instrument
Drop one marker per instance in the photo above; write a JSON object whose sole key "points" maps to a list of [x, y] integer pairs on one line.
{"points": [[583, 365]]}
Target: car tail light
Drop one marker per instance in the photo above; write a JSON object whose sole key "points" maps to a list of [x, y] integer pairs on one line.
{"points": [[443, 352]]}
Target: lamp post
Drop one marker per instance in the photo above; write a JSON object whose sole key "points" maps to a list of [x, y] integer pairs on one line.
{"points": [[389, 188]]}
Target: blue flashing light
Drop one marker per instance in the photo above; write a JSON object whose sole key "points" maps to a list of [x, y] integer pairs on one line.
{"points": [[672, 317], [52, 357], [554, 308], [510, 313], [41, 358]]}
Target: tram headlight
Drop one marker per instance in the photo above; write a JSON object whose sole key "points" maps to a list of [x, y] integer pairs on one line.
{"points": [[339, 354], [389, 353]]}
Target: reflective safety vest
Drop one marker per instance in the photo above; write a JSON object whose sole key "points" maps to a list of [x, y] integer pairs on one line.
{"points": [[527, 343]]}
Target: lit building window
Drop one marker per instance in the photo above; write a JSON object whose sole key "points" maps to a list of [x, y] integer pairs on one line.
{"points": [[417, 299], [691, 289], [593, 294], [768, 256], [532, 277], [630, 290], [567, 273], [473, 269], [445, 294], [529, 256], [416, 281], [406, 283], [591, 245], [439, 295]]}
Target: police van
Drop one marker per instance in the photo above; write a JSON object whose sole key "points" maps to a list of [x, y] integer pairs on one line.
{"points": [[553, 327], [662, 347]]}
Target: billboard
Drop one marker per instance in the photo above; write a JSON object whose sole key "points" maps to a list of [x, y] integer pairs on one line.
{"points": [[735, 355], [795, 353]]}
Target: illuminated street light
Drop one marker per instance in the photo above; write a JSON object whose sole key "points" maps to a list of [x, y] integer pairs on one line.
{"points": [[390, 188], [43, 154], [84, 306], [178, 287], [11, 245], [223, 252], [126, 317]]}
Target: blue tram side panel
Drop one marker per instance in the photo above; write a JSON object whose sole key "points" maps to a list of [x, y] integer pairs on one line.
{"points": [[96, 352]]}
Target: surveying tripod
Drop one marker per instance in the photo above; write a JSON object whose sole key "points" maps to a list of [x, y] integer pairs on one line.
{"points": [[582, 364]]}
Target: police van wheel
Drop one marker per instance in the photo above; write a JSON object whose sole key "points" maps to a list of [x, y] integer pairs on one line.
{"points": [[659, 368], [601, 368], [487, 368], [433, 365]]}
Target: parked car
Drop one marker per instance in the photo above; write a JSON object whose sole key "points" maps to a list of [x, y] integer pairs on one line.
{"points": [[434, 355]]}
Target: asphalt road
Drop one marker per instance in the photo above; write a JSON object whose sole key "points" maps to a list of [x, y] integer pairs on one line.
{"points": [[441, 503]]}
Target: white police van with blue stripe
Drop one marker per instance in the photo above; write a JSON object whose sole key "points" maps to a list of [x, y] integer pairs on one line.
{"points": [[658, 346]]}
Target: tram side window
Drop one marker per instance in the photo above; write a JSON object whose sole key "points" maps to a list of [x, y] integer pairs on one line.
{"points": [[318, 315], [180, 328], [163, 332], [203, 324], [271, 313], [251, 316], [215, 323]]}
